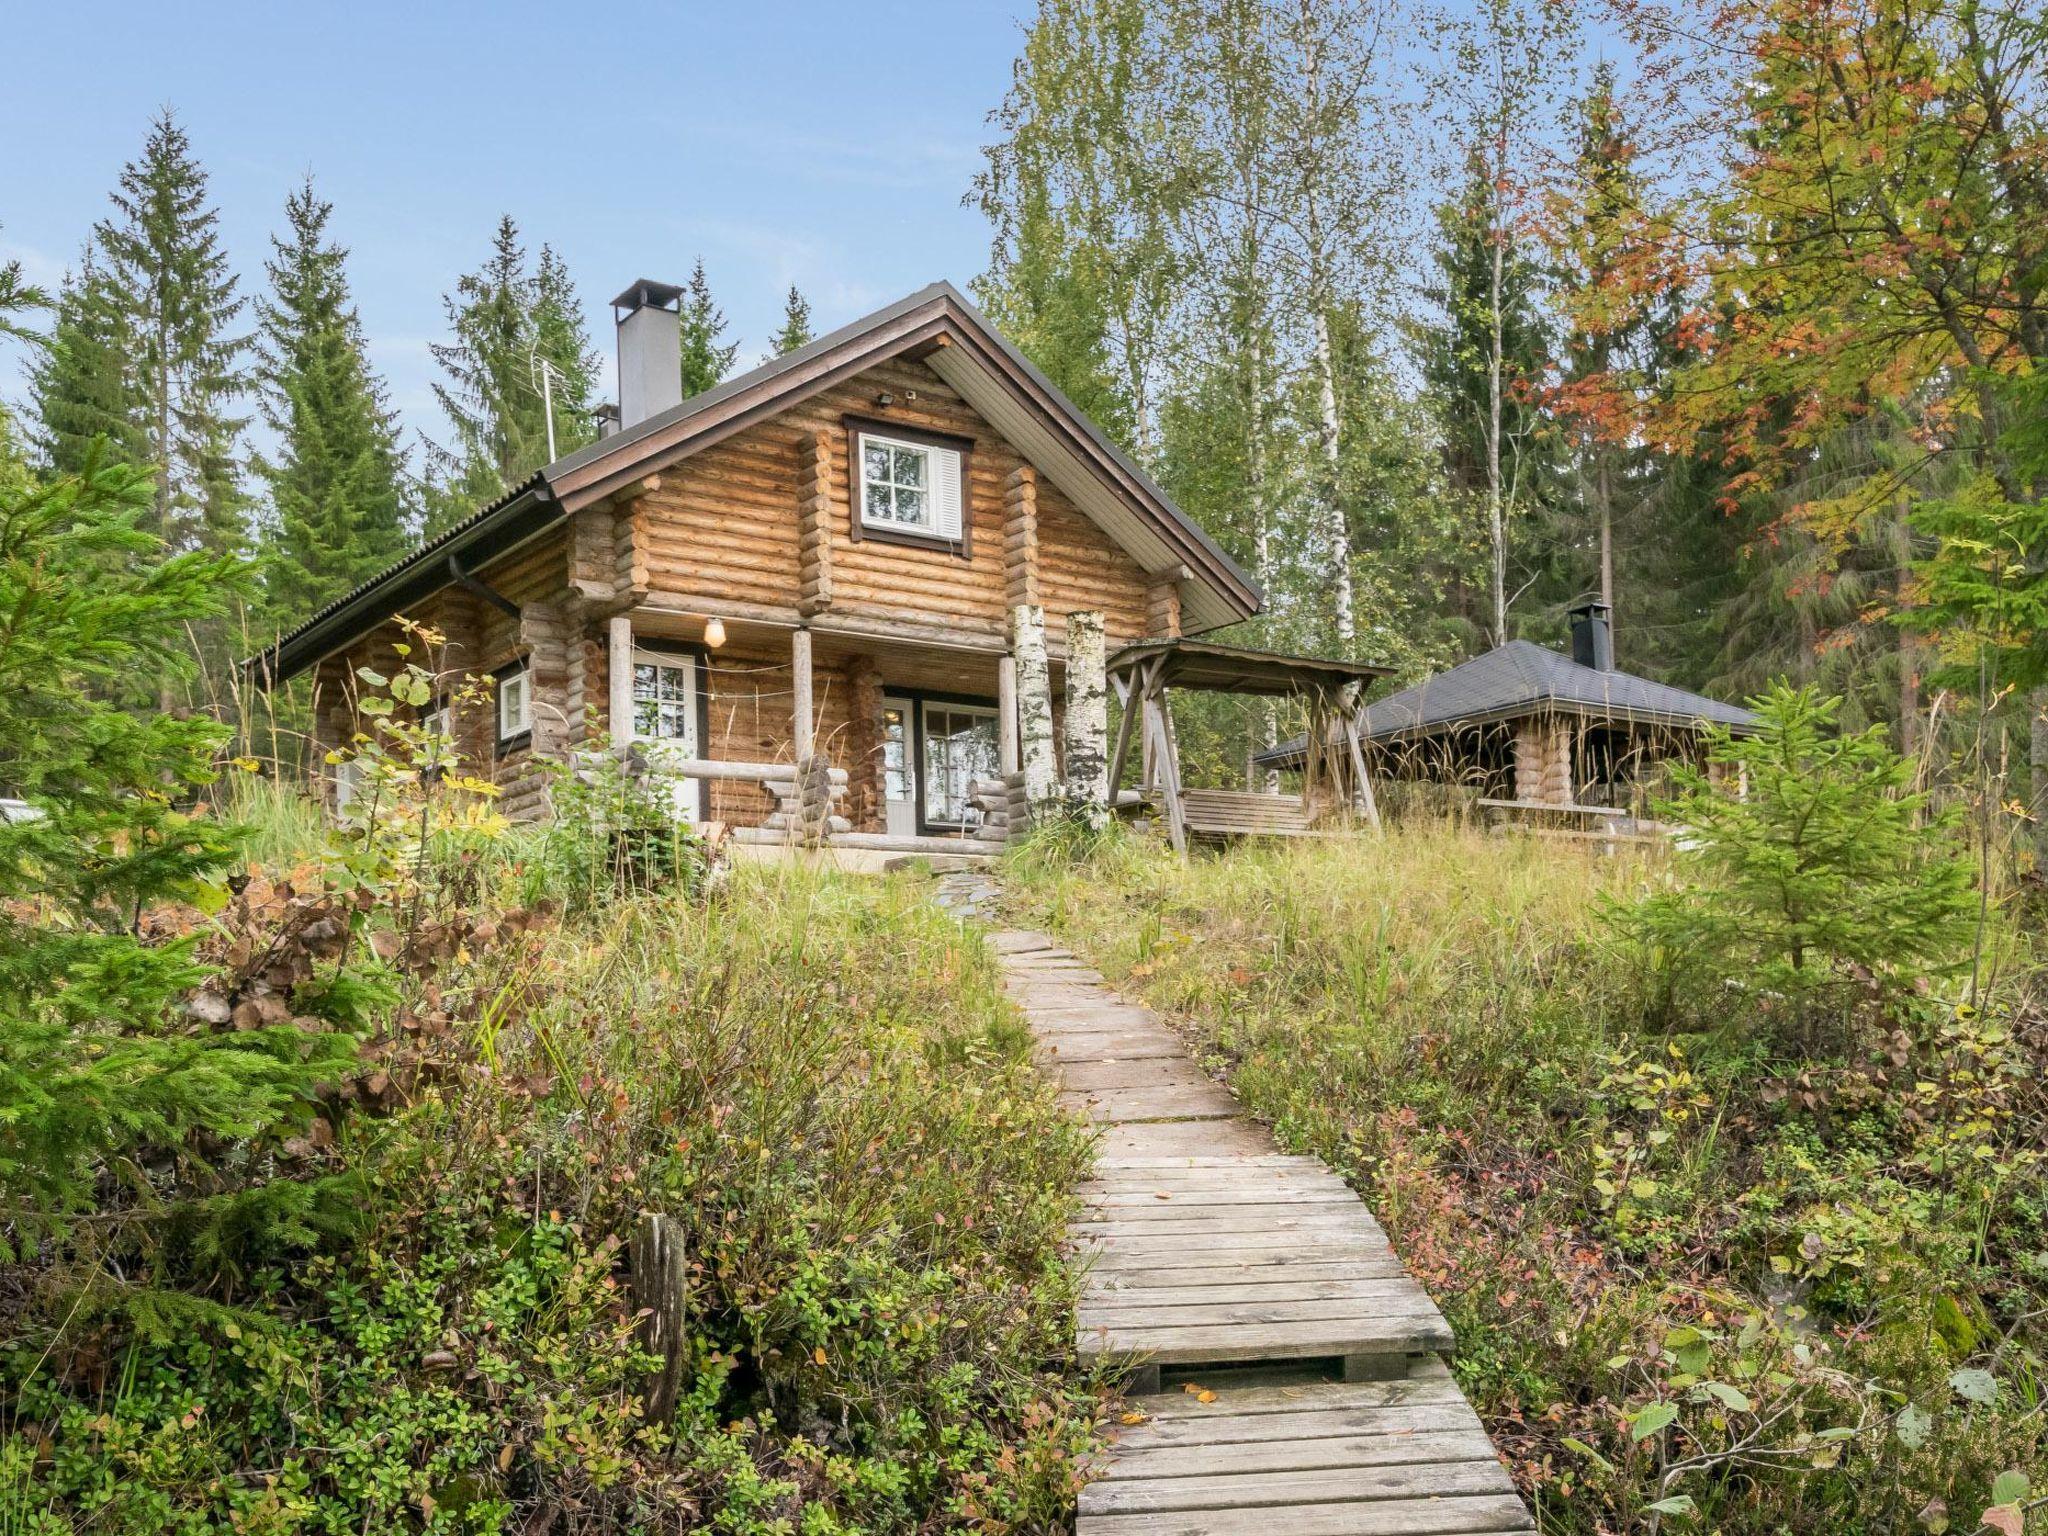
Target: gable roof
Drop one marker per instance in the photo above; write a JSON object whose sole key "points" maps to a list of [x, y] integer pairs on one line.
{"points": [[936, 325], [1520, 678]]}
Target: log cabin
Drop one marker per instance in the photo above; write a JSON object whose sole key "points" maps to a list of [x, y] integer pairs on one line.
{"points": [[858, 596]]}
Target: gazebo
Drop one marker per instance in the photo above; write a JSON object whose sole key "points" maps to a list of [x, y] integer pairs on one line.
{"points": [[1334, 777], [1542, 736]]}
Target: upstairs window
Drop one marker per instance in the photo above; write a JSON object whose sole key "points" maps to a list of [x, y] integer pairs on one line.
{"points": [[910, 485]]}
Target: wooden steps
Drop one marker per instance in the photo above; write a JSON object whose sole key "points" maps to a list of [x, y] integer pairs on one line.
{"points": [[1206, 1249]]}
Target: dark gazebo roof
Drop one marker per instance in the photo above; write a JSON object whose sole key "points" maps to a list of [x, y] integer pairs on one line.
{"points": [[1523, 679]]}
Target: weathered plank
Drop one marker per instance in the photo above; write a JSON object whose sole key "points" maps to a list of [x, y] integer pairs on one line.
{"points": [[1251, 1490], [1434, 1516]]}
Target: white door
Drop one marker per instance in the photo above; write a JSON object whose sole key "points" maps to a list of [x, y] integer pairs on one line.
{"points": [[899, 769], [665, 717]]}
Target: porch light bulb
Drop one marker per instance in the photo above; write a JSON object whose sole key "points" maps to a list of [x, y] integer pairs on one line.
{"points": [[714, 633]]}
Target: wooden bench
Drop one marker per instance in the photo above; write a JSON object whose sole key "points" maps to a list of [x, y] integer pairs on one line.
{"points": [[1241, 813]]}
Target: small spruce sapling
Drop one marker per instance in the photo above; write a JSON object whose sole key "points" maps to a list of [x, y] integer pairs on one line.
{"points": [[1828, 867]]}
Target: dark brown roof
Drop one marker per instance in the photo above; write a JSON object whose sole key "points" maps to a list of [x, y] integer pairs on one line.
{"points": [[933, 320], [1520, 679]]}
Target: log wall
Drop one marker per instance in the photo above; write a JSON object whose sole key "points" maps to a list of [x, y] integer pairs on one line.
{"points": [[728, 526]]}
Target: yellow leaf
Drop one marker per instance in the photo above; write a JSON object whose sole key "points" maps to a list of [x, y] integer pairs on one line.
{"points": [[1131, 1418], [1205, 1396], [818, 1355]]}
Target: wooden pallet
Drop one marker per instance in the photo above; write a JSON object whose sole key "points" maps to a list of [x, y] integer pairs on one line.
{"points": [[1206, 1249]]}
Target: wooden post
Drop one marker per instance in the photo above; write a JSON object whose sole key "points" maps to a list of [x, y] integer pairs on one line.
{"points": [[803, 724], [619, 677], [1361, 791], [1166, 762], [1006, 709], [1127, 713], [661, 1285], [1034, 704], [1087, 722]]}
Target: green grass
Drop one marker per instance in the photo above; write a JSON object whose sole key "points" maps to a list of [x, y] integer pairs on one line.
{"points": [[1621, 1220]]}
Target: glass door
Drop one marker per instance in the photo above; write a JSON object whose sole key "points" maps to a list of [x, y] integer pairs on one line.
{"points": [[665, 718], [960, 750], [899, 769]]}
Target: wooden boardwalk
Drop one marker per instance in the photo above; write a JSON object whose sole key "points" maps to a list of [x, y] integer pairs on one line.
{"points": [[1212, 1258]]}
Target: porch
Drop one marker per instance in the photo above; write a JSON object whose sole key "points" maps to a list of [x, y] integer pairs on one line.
{"points": [[871, 740]]}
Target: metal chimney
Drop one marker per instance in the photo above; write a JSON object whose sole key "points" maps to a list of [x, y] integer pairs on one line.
{"points": [[650, 321], [1593, 636]]}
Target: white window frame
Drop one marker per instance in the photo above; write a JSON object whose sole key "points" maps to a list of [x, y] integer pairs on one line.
{"points": [[688, 792], [520, 722], [942, 488]]}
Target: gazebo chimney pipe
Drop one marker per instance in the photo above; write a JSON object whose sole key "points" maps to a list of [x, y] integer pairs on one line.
{"points": [[1593, 636]]}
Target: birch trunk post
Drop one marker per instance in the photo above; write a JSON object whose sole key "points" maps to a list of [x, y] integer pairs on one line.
{"points": [[1034, 706], [1087, 723]]}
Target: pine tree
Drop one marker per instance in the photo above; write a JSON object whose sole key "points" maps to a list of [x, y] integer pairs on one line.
{"points": [[796, 326], [510, 325], [165, 271], [85, 386], [707, 358], [338, 507]]}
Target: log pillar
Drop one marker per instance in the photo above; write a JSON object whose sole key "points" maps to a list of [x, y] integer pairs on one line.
{"points": [[814, 523], [1034, 704], [1020, 536], [866, 789], [1543, 762], [1087, 718]]}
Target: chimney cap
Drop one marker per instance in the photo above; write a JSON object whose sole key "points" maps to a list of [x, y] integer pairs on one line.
{"points": [[648, 294]]}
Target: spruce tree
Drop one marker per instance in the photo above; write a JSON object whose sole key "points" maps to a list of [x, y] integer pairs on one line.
{"points": [[107, 1078], [796, 326], [165, 270], [562, 341], [336, 482], [507, 322], [1457, 355], [707, 357], [85, 386]]}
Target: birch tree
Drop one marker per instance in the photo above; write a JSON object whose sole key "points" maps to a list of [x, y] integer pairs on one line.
{"points": [[1339, 205]]}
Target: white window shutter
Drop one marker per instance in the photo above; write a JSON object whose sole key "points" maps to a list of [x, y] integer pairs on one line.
{"points": [[946, 492]]}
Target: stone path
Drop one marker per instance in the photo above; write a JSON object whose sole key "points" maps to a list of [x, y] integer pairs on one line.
{"points": [[1215, 1260]]}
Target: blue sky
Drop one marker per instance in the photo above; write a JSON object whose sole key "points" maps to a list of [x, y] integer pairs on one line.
{"points": [[785, 141]]}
